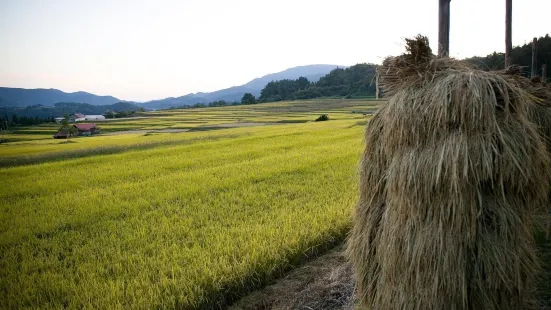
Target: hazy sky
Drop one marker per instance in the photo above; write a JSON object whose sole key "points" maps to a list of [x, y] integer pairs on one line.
{"points": [[142, 50]]}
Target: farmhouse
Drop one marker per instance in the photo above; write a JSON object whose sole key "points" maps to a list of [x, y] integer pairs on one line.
{"points": [[77, 117], [87, 129], [94, 117]]}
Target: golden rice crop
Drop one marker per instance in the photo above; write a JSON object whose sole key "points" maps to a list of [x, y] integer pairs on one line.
{"points": [[194, 118], [182, 225]]}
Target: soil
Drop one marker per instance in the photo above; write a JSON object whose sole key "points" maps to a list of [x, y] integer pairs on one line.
{"points": [[324, 283]]}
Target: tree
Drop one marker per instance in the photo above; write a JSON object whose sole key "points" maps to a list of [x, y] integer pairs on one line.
{"points": [[65, 121], [248, 98], [66, 127], [302, 83], [4, 125]]}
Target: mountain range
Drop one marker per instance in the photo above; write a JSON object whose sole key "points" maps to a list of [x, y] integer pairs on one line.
{"points": [[19, 97], [312, 72]]}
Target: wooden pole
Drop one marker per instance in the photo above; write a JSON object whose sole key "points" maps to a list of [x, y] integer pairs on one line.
{"points": [[444, 28], [508, 39], [544, 73], [534, 60]]}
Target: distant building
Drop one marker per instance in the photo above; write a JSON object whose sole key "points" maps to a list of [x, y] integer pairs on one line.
{"points": [[77, 117], [81, 130], [87, 129], [59, 119], [94, 117]]}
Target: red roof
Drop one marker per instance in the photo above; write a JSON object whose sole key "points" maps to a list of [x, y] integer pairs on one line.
{"points": [[85, 127]]}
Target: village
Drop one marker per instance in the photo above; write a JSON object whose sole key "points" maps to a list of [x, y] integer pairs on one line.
{"points": [[78, 128]]}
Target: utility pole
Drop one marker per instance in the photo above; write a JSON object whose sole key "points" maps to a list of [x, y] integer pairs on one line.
{"points": [[508, 39], [444, 28], [534, 60]]}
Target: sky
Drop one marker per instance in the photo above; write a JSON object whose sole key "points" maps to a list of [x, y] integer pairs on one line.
{"points": [[143, 50]]}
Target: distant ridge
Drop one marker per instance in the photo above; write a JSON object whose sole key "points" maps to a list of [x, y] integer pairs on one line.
{"points": [[312, 72], [63, 108], [21, 97]]}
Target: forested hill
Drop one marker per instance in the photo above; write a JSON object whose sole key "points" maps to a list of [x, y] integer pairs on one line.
{"points": [[20, 97], [357, 80], [521, 55], [62, 108]]}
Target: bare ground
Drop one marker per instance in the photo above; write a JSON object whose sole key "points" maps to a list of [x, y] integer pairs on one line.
{"points": [[326, 283]]}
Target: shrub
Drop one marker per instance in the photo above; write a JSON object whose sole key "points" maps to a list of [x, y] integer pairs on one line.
{"points": [[322, 118]]}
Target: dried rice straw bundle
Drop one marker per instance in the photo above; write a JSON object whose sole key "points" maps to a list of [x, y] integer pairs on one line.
{"points": [[539, 112], [453, 176]]}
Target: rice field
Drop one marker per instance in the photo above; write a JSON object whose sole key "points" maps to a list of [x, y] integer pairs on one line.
{"points": [[149, 127], [198, 119], [175, 220]]}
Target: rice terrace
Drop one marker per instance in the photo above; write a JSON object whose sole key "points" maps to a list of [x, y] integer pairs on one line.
{"points": [[113, 222]]}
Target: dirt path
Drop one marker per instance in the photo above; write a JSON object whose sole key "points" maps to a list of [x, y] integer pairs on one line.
{"points": [[326, 284]]}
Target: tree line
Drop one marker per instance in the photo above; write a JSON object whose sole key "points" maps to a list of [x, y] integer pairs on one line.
{"points": [[248, 98], [520, 55], [121, 114], [23, 120], [62, 108], [355, 81], [16, 120]]}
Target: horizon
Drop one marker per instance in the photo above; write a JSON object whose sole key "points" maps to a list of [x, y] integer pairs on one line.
{"points": [[142, 51], [194, 93]]}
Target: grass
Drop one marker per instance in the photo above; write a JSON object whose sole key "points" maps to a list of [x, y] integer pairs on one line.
{"points": [[182, 220]]}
